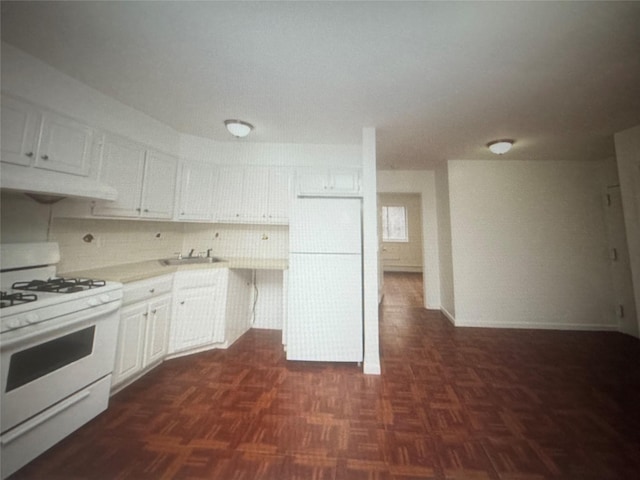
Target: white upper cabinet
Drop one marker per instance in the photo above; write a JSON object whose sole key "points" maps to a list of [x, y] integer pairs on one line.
{"points": [[228, 200], [254, 195], [122, 167], [43, 139], [332, 182], [198, 182], [159, 187], [65, 145], [145, 180], [20, 124]]}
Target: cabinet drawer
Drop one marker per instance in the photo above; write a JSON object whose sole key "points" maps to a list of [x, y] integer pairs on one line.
{"points": [[144, 289], [209, 277]]}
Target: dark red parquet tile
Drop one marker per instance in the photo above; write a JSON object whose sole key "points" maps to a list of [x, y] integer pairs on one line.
{"points": [[464, 404]]}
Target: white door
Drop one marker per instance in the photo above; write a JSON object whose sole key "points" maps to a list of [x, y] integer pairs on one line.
{"points": [[229, 195], [324, 318], [65, 145], [196, 193], [193, 321], [130, 348], [279, 196], [157, 330], [620, 263], [158, 191], [325, 225], [19, 125], [122, 167]]}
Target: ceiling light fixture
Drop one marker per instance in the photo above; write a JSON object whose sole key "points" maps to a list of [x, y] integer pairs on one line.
{"points": [[500, 146], [238, 128]]}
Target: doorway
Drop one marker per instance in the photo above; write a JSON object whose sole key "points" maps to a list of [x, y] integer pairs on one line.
{"points": [[401, 237], [401, 247]]}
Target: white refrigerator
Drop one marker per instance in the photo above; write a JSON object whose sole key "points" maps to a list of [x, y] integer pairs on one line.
{"points": [[325, 314]]}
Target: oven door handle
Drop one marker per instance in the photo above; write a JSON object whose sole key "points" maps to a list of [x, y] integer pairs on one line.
{"points": [[57, 409], [44, 329]]}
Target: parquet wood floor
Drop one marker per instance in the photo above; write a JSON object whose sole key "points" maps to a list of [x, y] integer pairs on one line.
{"points": [[450, 404]]}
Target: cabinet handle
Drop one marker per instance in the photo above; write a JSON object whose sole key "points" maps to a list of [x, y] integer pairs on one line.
{"points": [[28, 154], [182, 302], [154, 311], [137, 209], [44, 157], [145, 314], [152, 290], [146, 209]]}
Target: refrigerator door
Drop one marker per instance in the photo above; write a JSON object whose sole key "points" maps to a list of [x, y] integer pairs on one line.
{"points": [[325, 225], [325, 308]]}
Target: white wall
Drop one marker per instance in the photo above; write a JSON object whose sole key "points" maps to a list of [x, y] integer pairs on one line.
{"points": [[422, 182], [242, 152], [370, 253], [628, 157], [529, 245], [447, 293]]}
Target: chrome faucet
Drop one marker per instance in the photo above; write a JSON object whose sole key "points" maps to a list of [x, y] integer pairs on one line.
{"points": [[191, 252], [209, 250]]}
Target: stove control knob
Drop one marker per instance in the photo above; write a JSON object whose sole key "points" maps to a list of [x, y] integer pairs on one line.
{"points": [[104, 298], [93, 302], [32, 318]]}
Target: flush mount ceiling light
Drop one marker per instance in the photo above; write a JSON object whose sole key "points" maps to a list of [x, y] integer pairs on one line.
{"points": [[500, 146], [238, 128]]}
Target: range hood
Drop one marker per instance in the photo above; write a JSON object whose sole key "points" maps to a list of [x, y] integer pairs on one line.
{"points": [[43, 183]]}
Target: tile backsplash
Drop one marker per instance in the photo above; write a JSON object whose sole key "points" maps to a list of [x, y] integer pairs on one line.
{"points": [[88, 244]]}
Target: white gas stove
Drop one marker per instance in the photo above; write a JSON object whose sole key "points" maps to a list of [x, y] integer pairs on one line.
{"points": [[57, 349]]}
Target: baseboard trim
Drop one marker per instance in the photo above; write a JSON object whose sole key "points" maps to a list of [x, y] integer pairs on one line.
{"points": [[403, 268], [450, 317], [534, 325], [371, 368]]}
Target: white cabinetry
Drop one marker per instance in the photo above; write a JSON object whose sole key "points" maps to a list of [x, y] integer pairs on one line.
{"points": [[333, 182], [211, 308], [256, 195], [42, 139], [197, 309], [197, 187], [145, 180], [144, 328]]}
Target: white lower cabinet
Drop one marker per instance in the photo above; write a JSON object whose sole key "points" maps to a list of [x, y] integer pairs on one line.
{"points": [[196, 313], [211, 308], [144, 328]]}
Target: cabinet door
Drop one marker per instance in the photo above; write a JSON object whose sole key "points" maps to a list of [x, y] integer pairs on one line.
{"points": [[65, 145], [229, 195], [159, 186], [196, 192], [312, 182], [255, 195], [19, 125], [157, 330], [131, 339], [123, 168], [193, 318], [344, 182], [279, 196]]}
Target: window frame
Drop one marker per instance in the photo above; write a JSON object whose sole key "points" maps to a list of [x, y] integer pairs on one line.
{"points": [[386, 238]]}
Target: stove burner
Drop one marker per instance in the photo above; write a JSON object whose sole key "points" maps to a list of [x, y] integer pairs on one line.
{"points": [[59, 285], [11, 299]]}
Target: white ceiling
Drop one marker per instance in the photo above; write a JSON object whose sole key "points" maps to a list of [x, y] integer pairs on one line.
{"points": [[437, 79]]}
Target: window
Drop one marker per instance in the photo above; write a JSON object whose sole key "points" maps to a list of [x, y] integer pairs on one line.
{"points": [[394, 224]]}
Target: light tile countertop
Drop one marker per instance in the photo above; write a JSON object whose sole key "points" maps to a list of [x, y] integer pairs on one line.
{"points": [[131, 272]]}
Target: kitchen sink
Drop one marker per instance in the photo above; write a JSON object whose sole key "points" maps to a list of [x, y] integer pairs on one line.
{"points": [[189, 260]]}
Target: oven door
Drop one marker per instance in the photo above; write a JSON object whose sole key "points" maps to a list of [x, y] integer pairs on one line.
{"points": [[46, 363]]}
